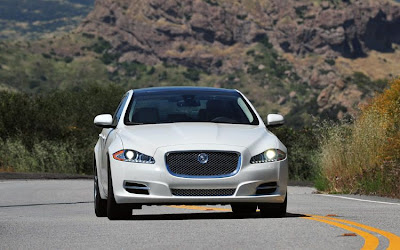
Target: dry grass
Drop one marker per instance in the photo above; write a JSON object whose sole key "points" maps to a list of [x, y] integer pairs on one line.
{"points": [[376, 65], [365, 157]]}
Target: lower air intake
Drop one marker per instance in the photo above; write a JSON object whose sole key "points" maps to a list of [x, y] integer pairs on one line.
{"points": [[202, 192], [267, 188]]}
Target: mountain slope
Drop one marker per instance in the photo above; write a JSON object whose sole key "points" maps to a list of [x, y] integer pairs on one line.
{"points": [[35, 18], [157, 28], [223, 37], [299, 58]]}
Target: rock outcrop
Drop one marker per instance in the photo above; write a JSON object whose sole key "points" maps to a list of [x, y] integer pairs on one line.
{"points": [[204, 33], [148, 30], [350, 29]]}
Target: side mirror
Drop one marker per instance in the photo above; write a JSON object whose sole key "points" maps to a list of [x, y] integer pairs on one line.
{"points": [[103, 121], [274, 120]]}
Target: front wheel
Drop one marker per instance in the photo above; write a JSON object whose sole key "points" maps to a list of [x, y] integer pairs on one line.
{"points": [[273, 210], [115, 211]]}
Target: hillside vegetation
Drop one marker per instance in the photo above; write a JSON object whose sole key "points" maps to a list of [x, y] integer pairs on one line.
{"points": [[304, 59], [76, 60], [23, 19], [364, 157], [76, 71], [284, 55], [53, 132]]}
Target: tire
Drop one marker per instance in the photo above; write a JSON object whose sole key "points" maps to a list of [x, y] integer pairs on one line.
{"points": [[244, 208], [273, 210], [116, 211], [100, 205]]}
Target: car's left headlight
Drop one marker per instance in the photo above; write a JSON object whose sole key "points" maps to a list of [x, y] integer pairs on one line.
{"points": [[129, 155], [269, 155]]}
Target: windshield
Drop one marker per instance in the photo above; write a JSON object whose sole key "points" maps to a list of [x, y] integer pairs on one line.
{"points": [[170, 107]]}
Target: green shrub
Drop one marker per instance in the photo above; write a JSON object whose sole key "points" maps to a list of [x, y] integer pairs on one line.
{"points": [[134, 68], [53, 132], [211, 2], [192, 74], [100, 46], [45, 55], [68, 59], [108, 58], [365, 83], [330, 61], [44, 156], [303, 150]]}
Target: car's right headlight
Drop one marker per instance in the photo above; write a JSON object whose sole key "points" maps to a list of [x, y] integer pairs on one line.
{"points": [[269, 155], [133, 156]]}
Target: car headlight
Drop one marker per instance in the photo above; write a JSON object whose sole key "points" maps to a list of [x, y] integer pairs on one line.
{"points": [[133, 156], [270, 155]]}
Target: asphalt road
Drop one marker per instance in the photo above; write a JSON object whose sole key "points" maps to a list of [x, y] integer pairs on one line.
{"points": [[58, 214]]}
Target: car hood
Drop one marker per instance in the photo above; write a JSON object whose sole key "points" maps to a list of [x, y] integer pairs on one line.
{"points": [[148, 138]]}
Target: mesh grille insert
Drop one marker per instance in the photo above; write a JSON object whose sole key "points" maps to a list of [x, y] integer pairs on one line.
{"points": [[202, 192], [187, 164]]}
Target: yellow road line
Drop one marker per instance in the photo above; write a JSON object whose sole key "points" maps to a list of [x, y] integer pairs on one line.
{"points": [[394, 240], [370, 241]]}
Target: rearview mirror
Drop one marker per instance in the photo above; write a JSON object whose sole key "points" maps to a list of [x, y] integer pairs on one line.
{"points": [[274, 120], [103, 121]]}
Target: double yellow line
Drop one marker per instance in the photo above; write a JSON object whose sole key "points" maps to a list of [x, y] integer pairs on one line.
{"points": [[370, 240]]}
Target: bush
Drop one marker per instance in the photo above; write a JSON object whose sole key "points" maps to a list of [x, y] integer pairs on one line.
{"points": [[302, 151], [192, 74], [68, 59], [44, 156], [365, 83], [365, 157], [53, 132], [101, 46]]}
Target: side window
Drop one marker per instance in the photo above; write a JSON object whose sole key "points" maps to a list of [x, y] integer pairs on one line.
{"points": [[119, 110]]}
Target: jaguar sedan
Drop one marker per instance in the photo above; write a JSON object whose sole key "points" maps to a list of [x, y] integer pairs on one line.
{"points": [[188, 145]]}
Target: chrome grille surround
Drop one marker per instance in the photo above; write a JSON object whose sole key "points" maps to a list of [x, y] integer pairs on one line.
{"points": [[203, 192], [220, 164]]}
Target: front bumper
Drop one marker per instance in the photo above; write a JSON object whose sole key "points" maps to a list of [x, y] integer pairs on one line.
{"points": [[160, 182]]}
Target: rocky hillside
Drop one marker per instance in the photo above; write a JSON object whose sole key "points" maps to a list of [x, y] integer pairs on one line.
{"points": [[296, 57], [150, 31], [321, 39]]}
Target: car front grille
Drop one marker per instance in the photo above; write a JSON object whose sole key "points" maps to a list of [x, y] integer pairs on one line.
{"points": [[202, 192], [187, 164]]}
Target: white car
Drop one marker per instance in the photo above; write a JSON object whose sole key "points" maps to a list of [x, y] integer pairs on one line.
{"points": [[188, 145]]}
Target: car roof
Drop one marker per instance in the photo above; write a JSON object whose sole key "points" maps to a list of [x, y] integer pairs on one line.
{"points": [[182, 89]]}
